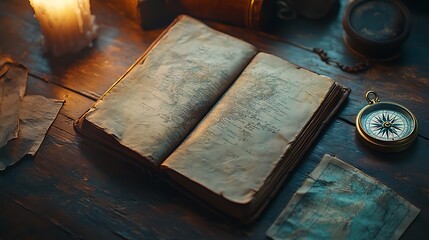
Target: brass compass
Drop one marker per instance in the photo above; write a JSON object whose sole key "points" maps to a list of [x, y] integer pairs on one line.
{"points": [[386, 126]]}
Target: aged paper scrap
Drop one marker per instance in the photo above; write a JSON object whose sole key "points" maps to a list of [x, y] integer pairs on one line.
{"points": [[37, 115], [13, 82], [9, 115], [14, 150], [338, 201]]}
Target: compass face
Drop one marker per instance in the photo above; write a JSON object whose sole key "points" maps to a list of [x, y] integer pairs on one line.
{"points": [[387, 122]]}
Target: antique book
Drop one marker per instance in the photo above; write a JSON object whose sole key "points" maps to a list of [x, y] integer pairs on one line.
{"points": [[211, 115]]}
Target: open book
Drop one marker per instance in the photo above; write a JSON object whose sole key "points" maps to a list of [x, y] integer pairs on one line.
{"points": [[212, 115]]}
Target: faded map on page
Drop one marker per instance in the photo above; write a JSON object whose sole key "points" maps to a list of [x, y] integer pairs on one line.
{"points": [[161, 100], [338, 201]]}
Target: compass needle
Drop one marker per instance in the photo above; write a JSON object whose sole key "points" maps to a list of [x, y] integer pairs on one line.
{"points": [[394, 132]]}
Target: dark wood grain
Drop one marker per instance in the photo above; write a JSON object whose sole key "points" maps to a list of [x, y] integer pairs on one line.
{"points": [[15, 214], [74, 188]]}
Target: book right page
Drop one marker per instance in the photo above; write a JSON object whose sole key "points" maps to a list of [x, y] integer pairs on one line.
{"points": [[233, 151]]}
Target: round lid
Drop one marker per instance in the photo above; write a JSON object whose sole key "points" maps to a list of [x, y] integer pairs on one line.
{"points": [[378, 21]]}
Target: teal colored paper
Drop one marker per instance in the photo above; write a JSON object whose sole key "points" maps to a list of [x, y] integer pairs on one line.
{"points": [[338, 201]]}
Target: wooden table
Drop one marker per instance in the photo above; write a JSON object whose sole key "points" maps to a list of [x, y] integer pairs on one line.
{"points": [[74, 189]]}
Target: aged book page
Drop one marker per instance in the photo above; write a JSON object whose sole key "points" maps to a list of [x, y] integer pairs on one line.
{"points": [[338, 201], [161, 100], [235, 150]]}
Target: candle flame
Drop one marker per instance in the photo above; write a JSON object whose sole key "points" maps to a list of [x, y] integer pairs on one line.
{"points": [[67, 25]]}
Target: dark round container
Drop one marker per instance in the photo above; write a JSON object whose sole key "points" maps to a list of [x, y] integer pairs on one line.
{"points": [[376, 28]]}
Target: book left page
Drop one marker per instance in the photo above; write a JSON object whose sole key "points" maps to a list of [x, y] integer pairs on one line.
{"points": [[158, 103]]}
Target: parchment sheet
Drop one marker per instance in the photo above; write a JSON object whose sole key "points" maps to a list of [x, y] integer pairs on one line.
{"points": [[13, 81], [338, 201], [37, 115]]}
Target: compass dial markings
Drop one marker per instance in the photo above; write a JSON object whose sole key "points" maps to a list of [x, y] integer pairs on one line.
{"points": [[387, 125]]}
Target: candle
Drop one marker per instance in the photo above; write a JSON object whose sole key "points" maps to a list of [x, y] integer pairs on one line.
{"points": [[67, 25]]}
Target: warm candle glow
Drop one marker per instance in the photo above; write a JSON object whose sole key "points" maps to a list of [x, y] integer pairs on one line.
{"points": [[67, 25]]}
